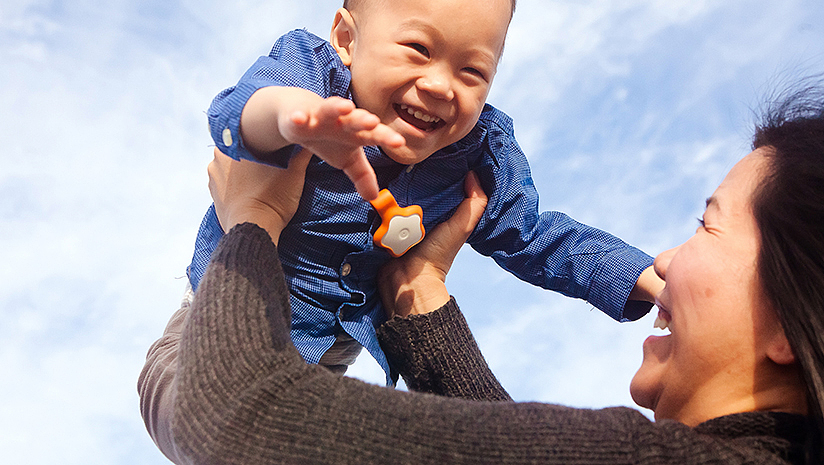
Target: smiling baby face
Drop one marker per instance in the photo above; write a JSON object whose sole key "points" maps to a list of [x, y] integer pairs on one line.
{"points": [[424, 67]]}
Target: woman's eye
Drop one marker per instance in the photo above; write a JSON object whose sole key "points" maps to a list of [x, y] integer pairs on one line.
{"points": [[419, 48]]}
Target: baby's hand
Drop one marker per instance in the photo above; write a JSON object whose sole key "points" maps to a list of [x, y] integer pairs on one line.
{"points": [[336, 131], [648, 286]]}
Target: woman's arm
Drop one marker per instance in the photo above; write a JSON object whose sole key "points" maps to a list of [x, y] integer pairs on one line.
{"points": [[243, 395], [436, 353], [243, 191]]}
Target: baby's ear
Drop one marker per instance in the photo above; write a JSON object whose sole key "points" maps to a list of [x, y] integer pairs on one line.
{"points": [[343, 35]]}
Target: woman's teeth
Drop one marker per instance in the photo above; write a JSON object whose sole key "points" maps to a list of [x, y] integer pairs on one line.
{"points": [[661, 323], [420, 115]]}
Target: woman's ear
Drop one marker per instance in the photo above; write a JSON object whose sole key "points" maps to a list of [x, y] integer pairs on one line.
{"points": [[343, 35], [779, 350]]}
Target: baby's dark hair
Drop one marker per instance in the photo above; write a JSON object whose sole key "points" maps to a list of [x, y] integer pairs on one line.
{"points": [[351, 5]]}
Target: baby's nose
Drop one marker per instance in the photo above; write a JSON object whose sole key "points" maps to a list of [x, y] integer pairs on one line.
{"points": [[438, 84]]}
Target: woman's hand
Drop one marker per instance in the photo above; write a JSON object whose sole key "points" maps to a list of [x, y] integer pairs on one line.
{"points": [[249, 192], [415, 283]]}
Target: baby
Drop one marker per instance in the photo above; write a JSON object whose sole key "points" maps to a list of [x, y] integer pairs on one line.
{"points": [[396, 99]]}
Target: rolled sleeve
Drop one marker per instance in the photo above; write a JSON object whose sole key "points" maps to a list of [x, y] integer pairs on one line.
{"points": [[613, 281]]}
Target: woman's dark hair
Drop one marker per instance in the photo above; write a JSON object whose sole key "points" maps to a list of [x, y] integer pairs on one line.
{"points": [[789, 210]]}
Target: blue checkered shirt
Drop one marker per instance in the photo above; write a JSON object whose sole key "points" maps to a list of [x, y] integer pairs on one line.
{"points": [[327, 251]]}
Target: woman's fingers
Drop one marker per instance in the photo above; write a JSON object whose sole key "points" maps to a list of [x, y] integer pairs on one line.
{"points": [[245, 191], [447, 238], [218, 170], [415, 283]]}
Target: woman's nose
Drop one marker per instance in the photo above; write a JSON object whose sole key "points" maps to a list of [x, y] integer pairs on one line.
{"points": [[662, 262]]}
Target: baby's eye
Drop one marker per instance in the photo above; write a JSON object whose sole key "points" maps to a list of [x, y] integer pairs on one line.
{"points": [[700, 222], [476, 72], [419, 48]]}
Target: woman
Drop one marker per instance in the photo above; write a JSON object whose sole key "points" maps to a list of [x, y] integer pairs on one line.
{"points": [[738, 380]]}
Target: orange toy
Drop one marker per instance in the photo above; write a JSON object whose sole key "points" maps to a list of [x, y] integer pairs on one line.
{"points": [[401, 228]]}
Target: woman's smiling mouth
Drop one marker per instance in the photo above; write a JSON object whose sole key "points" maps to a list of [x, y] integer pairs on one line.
{"points": [[662, 320]]}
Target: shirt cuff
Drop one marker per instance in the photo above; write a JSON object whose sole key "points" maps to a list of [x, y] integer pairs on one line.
{"points": [[224, 124], [613, 282]]}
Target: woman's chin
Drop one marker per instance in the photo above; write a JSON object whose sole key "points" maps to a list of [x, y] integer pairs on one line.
{"points": [[648, 382], [642, 393]]}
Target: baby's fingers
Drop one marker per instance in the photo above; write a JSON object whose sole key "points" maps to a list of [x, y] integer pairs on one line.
{"points": [[359, 120], [327, 115], [362, 175], [334, 110], [364, 127], [382, 135], [368, 130]]}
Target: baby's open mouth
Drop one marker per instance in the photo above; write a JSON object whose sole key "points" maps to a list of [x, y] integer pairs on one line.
{"points": [[417, 118]]}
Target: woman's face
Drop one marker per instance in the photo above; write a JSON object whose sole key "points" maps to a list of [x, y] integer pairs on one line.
{"points": [[714, 309]]}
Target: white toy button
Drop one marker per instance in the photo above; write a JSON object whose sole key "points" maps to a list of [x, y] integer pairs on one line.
{"points": [[401, 228]]}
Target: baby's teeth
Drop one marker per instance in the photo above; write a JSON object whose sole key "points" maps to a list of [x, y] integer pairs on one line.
{"points": [[661, 323], [420, 115]]}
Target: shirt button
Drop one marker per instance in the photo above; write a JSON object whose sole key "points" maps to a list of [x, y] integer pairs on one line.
{"points": [[345, 270], [410, 168], [227, 137]]}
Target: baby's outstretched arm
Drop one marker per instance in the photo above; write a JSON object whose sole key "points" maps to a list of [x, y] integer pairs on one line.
{"points": [[333, 129]]}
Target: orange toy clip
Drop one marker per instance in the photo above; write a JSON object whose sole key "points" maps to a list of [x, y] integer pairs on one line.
{"points": [[401, 228]]}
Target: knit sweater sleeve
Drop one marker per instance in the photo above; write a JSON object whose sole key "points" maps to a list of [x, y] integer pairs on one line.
{"points": [[437, 353], [243, 395]]}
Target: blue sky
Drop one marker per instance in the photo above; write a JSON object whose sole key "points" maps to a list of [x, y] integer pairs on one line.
{"points": [[630, 111]]}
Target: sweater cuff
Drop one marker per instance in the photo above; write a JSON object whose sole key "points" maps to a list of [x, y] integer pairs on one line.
{"points": [[436, 353]]}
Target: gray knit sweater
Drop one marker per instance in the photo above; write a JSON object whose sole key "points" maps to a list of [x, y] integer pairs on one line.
{"points": [[237, 392]]}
